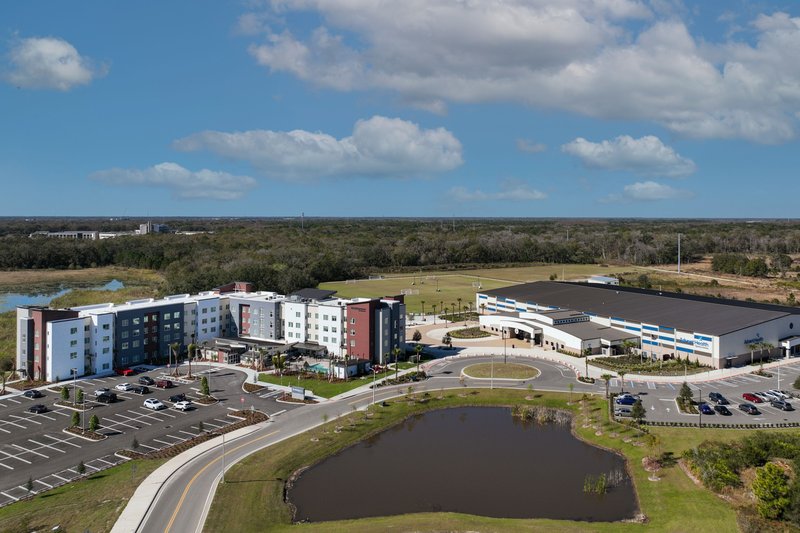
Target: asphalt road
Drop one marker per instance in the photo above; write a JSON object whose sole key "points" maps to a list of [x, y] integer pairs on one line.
{"points": [[35, 446], [182, 504]]}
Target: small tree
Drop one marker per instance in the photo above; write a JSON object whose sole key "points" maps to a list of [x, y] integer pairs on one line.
{"points": [[571, 388], [135, 444], [771, 488], [607, 379], [418, 354], [94, 423], [200, 427], [64, 394], [638, 412], [396, 353], [79, 396], [417, 336], [204, 386], [621, 374], [81, 468], [447, 340], [76, 419], [685, 393], [29, 485], [6, 365]]}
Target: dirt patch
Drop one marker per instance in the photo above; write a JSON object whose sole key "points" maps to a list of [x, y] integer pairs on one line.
{"points": [[252, 387]]}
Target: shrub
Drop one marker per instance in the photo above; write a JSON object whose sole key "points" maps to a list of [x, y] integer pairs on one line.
{"points": [[76, 419], [771, 488], [94, 423]]}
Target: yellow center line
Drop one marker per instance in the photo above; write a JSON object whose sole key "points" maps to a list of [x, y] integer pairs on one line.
{"points": [[194, 478]]}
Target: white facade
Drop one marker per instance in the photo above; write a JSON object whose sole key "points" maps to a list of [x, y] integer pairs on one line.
{"points": [[65, 345], [100, 346], [295, 316], [207, 318], [332, 326]]}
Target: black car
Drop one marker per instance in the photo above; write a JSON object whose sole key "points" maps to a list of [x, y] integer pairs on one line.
{"points": [[717, 398], [175, 398], [32, 393], [141, 389], [147, 380], [38, 409], [721, 409], [106, 397], [749, 408], [782, 405]]}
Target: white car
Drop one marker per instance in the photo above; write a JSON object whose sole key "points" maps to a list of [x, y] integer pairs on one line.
{"points": [[101, 391], [155, 405], [184, 405], [124, 386]]}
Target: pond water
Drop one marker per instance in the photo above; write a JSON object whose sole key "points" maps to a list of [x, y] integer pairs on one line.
{"points": [[43, 295], [475, 460]]}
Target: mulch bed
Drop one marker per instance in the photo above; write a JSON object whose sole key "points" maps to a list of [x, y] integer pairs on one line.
{"points": [[252, 387], [248, 418], [75, 407], [206, 400], [86, 434], [288, 398]]}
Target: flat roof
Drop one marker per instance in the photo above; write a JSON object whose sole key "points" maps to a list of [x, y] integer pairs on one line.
{"points": [[713, 316], [313, 294]]}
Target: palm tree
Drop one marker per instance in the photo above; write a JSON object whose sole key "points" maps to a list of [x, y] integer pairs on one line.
{"points": [[173, 348], [621, 374], [279, 362], [466, 316], [434, 313], [607, 379], [483, 308], [753, 346], [418, 352], [396, 353], [192, 351], [423, 309], [448, 340], [459, 304]]}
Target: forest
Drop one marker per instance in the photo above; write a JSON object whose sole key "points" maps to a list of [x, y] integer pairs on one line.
{"points": [[284, 254]]}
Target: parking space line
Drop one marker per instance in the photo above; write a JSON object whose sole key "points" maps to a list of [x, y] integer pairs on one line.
{"points": [[146, 446], [26, 419], [10, 423], [13, 400], [215, 426], [15, 457], [60, 412], [104, 461], [5, 431], [164, 443], [61, 478], [174, 437], [5, 465], [30, 451], [727, 384], [651, 385], [65, 441], [187, 432], [7, 495], [147, 415], [48, 485]]}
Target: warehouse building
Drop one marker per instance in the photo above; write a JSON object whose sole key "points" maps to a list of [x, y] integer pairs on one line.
{"points": [[715, 332]]}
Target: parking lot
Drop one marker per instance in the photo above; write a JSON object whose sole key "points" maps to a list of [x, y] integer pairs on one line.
{"points": [[659, 398], [35, 446]]}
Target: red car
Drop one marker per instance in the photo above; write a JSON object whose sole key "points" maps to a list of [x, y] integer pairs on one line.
{"points": [[750, 397], [124, 371]]}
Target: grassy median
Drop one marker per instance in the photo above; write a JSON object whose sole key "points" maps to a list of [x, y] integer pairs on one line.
{"points": [[92, 504], [501, 370], [252, 497]]}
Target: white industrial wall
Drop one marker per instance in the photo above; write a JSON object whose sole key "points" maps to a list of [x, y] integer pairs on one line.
{"points": [[101, 343], [62, 354], [331, 317], [294, 321]]}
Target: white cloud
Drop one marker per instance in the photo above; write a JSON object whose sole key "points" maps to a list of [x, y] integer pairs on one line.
{"points": [[647, 191], [531, 147], [646, 156], [510, 191], [575, 55], [182, 182], [378, 147], [49, 63]]}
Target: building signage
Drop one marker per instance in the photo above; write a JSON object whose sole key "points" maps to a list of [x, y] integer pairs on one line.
{"points": [[755, 340], [703, 345], [298, 393], [684, 340]]}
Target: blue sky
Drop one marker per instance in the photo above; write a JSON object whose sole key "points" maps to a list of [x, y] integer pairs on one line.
{"points": [[570, 108]]}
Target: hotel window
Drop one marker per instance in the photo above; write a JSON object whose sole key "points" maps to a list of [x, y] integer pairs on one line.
{"points": [[135, 344], [297, 314], [176, 314], [167, 316], [86, 327], [146, 319], [73, 343], [124, 335], [352, 320], [73, 331], [213, 330], [205, 321], [125, 323], [213, 309], [166, 327], [73, 355], [106, 350], [333, 329], [352, 343], [145, 340], [124, 345], [176, 325], [205, 310], [205, 330], [136, 333], [106, 338], [106, 326], [136, 321]]}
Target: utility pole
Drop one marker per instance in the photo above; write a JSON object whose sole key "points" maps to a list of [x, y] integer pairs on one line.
{"points": [[679, 253]]}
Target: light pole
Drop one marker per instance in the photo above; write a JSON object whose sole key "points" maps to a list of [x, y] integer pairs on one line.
{"points": [[74, 385], [699, 410], [223, 457], [491, 382], [374, 373], [505, 354]]}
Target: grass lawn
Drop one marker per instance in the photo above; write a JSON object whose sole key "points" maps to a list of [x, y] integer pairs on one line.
{"points": [[25, 280], [470, 333], [322, 387], [252, 500], [501, 370], [92, 504]]}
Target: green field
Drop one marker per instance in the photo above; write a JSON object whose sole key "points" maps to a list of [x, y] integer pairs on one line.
{"points": [[459, 284], [501, 371], [252, 499], [322, 387]]}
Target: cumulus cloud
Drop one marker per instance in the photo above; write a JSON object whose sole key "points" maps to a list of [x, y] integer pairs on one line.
{"points": [[49, 63], [577, 55], [646, 156], [378, 147], [510, 191], [182, 182], [647, 191], [531, 147]]}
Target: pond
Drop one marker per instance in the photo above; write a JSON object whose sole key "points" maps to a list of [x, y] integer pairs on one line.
{"points": [[474, 460], [43, 295]]}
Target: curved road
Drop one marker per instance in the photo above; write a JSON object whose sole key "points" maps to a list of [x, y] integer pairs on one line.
{"points": [[182, 503]]}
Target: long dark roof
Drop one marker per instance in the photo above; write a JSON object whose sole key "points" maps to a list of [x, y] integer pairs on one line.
{"points": [[313, 294], [714, 316]]}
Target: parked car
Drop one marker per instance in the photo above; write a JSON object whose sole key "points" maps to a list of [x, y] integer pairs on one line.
{"points": [[749, 408], [718, 398], [783, 405], [124, 371], [721, 409], [628, 395], [164, 384], [124, 386], [106, 397], [622, 411], [184, 405], [154, 404], [38, 408], [175, 398], [626, 400], [141, 389], [764, 397], [101, 391], [146, 380], [782, 394], [772, 396], [32, 393], [705, 409], [750, 397]]}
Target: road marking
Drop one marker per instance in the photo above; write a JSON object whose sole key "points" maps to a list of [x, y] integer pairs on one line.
{"points": [[7, 495], [13, 400], [209, 464], [174, 437], [10, 423], [15, 457], [26, 419], [61, 478], [60, 412], [5, 465], [187, 432], [215, 426], [30, 451], [164, 443], [146, 446], [5, 431], [651, 385], [279, 412], [104, 461], [48, 485], [65, 441]]}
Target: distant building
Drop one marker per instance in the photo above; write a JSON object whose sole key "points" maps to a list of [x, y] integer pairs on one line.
{"points": [[603, 280]]}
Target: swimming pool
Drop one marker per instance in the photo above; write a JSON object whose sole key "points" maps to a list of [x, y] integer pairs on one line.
{"points": [[319, 368]]}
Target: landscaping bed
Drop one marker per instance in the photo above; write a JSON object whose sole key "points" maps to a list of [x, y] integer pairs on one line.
{"points": [[501, 371], [74, 406], [470, 333], [632, 364], [86, 433], [253, 387], [286, 397], [206, 400]]}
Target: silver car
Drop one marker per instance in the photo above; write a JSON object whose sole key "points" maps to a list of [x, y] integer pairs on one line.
{"points": [[782, 394]]}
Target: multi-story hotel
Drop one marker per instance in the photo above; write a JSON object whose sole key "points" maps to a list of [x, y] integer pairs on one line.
{"points": [[52, 344]]}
